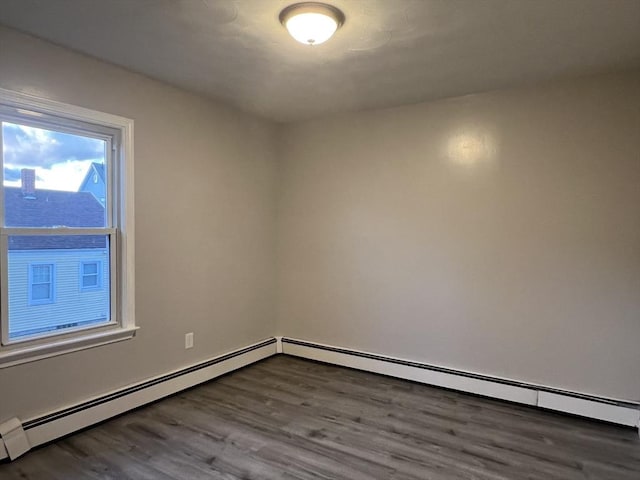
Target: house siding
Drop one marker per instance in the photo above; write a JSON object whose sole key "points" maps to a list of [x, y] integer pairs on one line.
{"points": [[94, 183], [96, 189], [71, 303]]}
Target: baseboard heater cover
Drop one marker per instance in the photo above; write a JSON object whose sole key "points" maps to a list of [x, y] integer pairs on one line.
{"points": [[605, 409], [62, 422], [13, 439]]}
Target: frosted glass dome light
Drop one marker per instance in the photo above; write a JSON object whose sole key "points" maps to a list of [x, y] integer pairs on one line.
{"points": [[311, 23]]}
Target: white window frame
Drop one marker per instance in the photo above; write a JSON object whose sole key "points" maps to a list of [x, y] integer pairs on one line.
{"points": [[98, 275], [120, 210], [52, 284]]}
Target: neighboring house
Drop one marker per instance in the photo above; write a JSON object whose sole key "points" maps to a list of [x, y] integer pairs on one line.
{"points": [[55, 282], [94, 182]]}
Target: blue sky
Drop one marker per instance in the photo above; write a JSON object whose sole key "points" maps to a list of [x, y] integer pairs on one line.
{"points": [[61, 160]]}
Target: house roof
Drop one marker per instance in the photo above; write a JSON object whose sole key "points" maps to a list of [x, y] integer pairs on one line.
{"points": [[95, 168], [52, 208]]}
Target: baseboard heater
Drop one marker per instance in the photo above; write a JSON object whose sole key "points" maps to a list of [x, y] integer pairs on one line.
{"points": [[620, 412], [17, 437]]}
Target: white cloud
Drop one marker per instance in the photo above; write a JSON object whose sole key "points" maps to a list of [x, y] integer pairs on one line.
{"points": [[61, 160], [65, 176]]}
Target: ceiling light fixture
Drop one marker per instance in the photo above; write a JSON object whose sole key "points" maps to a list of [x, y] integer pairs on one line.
{"points": [[311, 23]]}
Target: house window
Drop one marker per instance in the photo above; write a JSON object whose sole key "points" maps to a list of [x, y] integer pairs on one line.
{"points": [[90, 276], [50, 223], [41, 283]]}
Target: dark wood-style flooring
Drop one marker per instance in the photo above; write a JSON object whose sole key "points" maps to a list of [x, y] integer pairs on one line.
{"points": [[287, 418]]}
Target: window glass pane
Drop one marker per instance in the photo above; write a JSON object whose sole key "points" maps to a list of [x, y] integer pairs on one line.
{"points": [[41, 273], [41, 291], [90, 268], [69, 306], [48, 178]]}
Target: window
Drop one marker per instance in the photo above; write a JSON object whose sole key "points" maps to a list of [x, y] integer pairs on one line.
{"points": [[51, 223], [90, 276], [41, 281]]}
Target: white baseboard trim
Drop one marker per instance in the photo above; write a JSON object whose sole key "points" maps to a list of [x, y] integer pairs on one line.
{"points": [[606, 409], [62, 422]]}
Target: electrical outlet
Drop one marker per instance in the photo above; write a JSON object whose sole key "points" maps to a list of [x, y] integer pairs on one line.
{"points": [[188, 340]]}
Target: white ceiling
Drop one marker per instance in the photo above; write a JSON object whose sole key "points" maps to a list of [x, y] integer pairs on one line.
{"points": [[389, 52]]}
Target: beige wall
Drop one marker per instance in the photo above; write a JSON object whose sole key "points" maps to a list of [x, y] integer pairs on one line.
{"points": [[497, 233], [205, 209]]}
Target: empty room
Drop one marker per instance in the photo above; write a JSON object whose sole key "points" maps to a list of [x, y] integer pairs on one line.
{"points": [[348, 239]]}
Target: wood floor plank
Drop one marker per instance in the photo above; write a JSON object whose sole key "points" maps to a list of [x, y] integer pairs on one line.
{"points": [[288, 418]]}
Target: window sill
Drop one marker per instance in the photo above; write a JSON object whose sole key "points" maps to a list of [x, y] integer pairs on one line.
{"points": [[33, 353]]}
